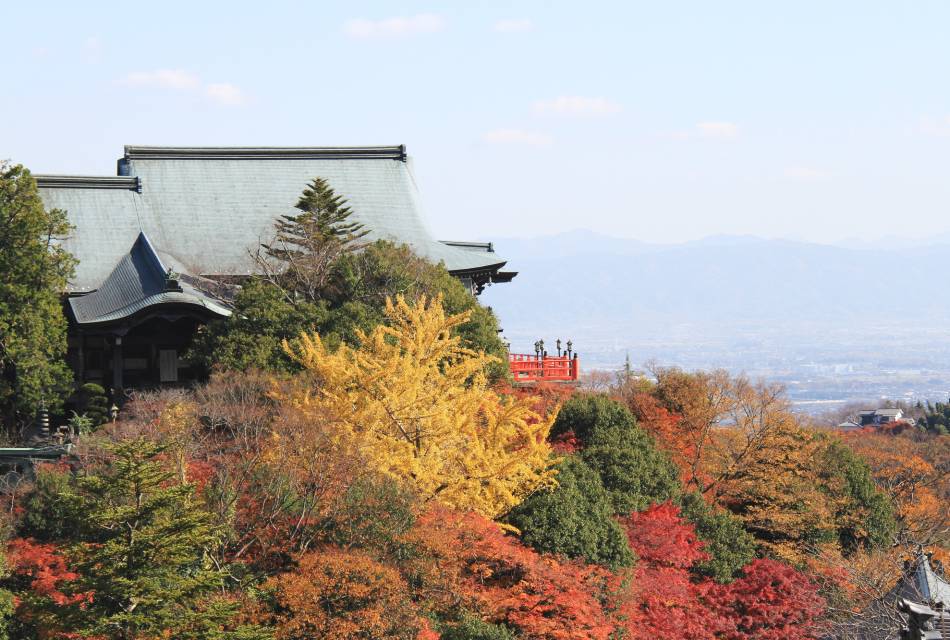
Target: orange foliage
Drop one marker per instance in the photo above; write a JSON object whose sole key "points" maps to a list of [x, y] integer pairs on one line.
{"points": [[661, 538], [542, 597], [338, 595], [688, 413], [275, 489], [771, 601], [913, 470], [547, 396], [668, 429], [566, 443]]}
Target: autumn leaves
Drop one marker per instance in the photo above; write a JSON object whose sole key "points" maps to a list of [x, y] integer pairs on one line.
{"points": [[416, 406], [387, 490]]}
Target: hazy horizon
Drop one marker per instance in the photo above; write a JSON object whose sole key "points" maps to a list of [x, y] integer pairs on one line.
{"points": [[834, 324], [892, 242]]}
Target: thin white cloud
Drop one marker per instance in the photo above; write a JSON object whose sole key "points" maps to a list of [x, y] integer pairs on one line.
{"points": [[935, 126], [517, 136], [226, 94], [680, 134], [717, 129], [805, 173], [177, 79], [513, 25], [396, 27], [577, 106], [222, 93]]}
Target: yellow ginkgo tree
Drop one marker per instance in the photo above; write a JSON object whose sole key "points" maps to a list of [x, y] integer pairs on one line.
{"points": [[416, 406]]}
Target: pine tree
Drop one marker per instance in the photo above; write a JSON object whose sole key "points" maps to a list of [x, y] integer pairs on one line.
{"points": [[307, 245], [33, 274], [324, 214], [142, 555]]}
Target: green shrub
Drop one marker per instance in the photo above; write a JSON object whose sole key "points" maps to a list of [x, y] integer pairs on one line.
{"points": [[48, 515], [93, 404], [474, 628], [864, 514], [633, 470], [592, 417], [575, 519], [730, 546]]}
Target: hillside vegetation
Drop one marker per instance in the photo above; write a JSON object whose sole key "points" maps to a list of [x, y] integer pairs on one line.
{"points": [[358, 466]]}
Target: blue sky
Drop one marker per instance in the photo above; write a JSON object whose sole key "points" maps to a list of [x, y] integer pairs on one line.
{"points": [[663, 121]]}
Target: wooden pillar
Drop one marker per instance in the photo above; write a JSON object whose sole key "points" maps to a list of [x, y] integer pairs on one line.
{"points": [[81, 363], [154, 371], [117, 366]]}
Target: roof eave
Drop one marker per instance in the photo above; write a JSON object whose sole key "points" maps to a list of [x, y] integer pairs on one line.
{"points": [[128, 313], [470, 271]]}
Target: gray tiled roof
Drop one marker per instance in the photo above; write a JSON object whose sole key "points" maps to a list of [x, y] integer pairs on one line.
{"points": [[888, 412], [138, 281], [923, 584], [206, 209]]}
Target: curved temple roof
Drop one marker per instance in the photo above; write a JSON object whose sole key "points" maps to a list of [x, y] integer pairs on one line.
{"points": [[207, 208], [140, 280]]}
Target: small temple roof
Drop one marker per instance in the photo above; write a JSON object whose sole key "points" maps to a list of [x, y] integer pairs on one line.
{"points": [[849, 425], [207, 209], [138, 281], [922, 583]]}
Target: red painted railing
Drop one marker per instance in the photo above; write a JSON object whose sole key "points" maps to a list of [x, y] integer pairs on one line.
{"points": [[528, 367]]}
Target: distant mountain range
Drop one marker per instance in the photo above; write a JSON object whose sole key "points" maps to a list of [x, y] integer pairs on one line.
{"points": [[595, 288]]}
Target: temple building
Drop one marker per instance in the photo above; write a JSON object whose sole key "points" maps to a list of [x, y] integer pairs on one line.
{"points": [[917, 606], [162, 244], [925, 584]]}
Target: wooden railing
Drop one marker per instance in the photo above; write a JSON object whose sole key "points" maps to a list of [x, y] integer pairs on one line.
{"points": [[529, 367]]}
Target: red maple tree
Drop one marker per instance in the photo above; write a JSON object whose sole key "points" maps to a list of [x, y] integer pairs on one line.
{"points": [[771, 601]]}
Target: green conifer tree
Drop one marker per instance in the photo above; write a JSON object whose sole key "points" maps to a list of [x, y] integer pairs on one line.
{"points": [[324, 216], [729, 545], [142, 552], [33, 274], [307, 245]]}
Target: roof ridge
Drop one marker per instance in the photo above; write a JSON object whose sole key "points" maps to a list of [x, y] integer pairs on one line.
{"points": [[149, 252], [143, 152], [65, 181]]}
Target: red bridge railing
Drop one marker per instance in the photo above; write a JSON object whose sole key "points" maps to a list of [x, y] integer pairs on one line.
{"points": [[530, 367]]}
